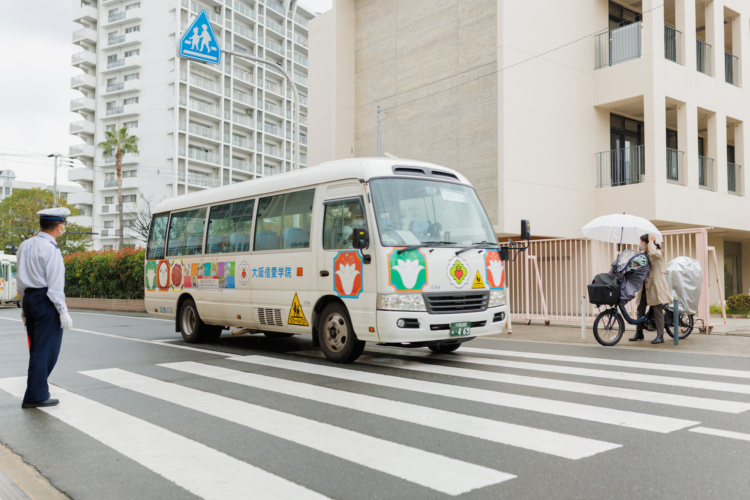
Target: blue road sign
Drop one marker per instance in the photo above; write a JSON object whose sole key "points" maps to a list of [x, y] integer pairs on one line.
{"points": [[199, 42]]}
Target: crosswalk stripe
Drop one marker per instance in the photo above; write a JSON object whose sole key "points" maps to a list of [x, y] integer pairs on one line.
{"points": [[431, 470], [201, 470], [552, 443], [592, 372], [698, 370], [609, 416], [721, 433], [710, 404]]}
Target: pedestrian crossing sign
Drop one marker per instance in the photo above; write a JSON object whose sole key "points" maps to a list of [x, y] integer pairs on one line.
{"points": [[296, 314], [478, 281], [199, 42]]}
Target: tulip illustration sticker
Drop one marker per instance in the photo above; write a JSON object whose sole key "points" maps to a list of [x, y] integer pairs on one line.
{"points": [[407, 271], [347, 277], [150, 275], [495, 269], [162, 275], [458, 272]]}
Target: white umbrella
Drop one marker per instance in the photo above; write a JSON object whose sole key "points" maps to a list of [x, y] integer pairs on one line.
{"points": [[620, 228]]}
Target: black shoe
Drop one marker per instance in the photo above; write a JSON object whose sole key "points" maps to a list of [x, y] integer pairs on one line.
{"points": [[658, 340], [638, 336], [40, 404]]}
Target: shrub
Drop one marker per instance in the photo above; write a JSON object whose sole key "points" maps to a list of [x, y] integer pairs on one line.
{"points": [[105, 274], [738, 304], [714, 309]]}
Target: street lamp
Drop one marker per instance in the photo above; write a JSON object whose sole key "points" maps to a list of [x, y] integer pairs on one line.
{"points": [[60, 160]]}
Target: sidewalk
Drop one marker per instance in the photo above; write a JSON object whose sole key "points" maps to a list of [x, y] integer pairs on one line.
{"points": [[732, 339], [21, 481]]}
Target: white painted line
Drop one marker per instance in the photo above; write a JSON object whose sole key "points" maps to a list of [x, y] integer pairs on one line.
{"points": [[709, 404], [520, 436], [721, 433], [443, 474], [609, 416], [201, 470], [592, 372], [698, 370]]}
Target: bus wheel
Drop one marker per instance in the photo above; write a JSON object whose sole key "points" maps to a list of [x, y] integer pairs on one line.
{"points": [[444, 348], [192, 328], [337, 339]]}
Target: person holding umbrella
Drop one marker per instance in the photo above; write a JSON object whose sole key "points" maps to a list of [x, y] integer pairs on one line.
{"points": [[655, 288]]}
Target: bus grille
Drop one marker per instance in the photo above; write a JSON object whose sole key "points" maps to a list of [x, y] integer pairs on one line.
{"points": [[271, 317], [451, 303]]}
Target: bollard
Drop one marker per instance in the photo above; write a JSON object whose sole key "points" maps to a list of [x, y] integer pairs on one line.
{"points": [[676, 324], [583, 318]]}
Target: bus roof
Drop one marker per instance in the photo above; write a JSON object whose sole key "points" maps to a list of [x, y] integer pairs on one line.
{"points": [[354, 168]]}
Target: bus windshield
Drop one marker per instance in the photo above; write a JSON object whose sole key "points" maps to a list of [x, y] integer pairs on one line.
{"points": [[424, 212]]}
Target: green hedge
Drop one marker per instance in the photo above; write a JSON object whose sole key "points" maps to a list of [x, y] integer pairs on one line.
{"points": [[738, 304], [105, 274]]}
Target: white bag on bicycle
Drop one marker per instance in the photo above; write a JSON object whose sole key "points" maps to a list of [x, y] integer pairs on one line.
{"points": [[685, 281]]}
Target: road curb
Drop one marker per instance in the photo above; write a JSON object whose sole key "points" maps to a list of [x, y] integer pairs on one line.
{"points": [[21, 481]]}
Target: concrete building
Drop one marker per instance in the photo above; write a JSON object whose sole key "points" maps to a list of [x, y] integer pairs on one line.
{"points": [[558, 112], [8, 183], [198, 125]]}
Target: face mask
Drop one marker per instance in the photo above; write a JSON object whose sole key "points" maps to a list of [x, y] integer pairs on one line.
{"points": [[62, 231], [643, 247]]}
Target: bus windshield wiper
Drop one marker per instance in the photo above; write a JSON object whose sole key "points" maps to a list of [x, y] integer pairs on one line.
{"points": [[480, 244], [426, 244]]}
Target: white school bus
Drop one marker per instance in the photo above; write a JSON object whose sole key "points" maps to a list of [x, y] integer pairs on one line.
{"points": [[8, 290], [391, 251]]}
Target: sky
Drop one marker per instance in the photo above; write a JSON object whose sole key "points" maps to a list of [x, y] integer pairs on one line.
{"points": [[35, 91]]}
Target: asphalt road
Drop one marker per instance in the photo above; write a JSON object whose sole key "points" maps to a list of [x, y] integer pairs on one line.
{"points": [[143, 415]]}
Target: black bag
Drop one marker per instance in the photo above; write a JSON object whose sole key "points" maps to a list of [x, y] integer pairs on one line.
{"points": [[604, 290]]}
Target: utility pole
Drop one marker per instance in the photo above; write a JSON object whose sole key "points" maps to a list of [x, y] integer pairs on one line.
{"points": [[60, 160]]}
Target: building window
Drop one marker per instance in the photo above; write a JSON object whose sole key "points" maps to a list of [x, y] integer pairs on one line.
{"points": [[134, 52], [7, 191], [109, 224], [112, 58], [129, 125], [109, 177], [130, 100], [111, 105], [111, 81], [129, 198], [132, 76], [109, 200], [108, 247], [133, 29], [129, 173], [110, 127], [134, 5]]}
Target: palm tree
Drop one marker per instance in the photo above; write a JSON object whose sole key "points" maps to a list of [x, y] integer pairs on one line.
{"points": [[116, 144]]}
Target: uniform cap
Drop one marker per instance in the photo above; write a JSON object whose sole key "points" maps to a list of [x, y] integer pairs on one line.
{"points": [[58, 213]]}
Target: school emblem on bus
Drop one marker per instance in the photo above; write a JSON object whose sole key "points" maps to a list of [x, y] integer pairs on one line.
{"points": [[458, 272], [495, 269], [347, 277], [244, 273], [407, 271]]}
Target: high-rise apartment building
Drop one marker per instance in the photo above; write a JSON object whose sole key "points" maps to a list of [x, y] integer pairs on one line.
{"points": [[558, 112], [198, 125]]}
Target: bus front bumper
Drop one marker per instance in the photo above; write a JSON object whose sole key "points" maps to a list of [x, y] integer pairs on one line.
{"points": [[420, 326]]}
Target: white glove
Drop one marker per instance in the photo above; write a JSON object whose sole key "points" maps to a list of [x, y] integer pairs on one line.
{"points": [[23, 317], [66, 322]]}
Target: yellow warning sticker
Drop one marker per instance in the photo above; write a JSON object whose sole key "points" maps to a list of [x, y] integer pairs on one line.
{"points": [[478, 281], [296, 315]]}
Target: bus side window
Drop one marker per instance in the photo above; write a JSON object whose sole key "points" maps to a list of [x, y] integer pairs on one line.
{"points": [[284, 221], [341, 217], [186, 233], [229, 227], [157, 237]]}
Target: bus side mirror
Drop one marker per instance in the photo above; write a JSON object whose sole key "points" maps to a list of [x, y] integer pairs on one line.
{"points": [[360, 238], [525, 230], [504, 254]]}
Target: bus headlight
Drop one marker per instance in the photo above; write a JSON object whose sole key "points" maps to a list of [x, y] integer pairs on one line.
{"points": [[497, 298], [401, 302]]}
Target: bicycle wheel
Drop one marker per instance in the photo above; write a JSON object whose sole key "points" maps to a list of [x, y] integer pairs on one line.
{"points": [[608, 327], [686, 324]]}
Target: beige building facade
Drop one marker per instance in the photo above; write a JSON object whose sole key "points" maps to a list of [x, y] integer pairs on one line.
{"points": [[558, 112]]}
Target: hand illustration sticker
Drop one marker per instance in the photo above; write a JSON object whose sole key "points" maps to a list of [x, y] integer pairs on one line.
{"points": [[347, 279], [495, 269]]}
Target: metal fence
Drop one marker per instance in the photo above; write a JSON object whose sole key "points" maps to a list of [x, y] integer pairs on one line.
{"points": [[620, 167], [734, 179], [618, 45], [706, 173], [703, 57], [672, 44], [731, 68], [675, 167]]}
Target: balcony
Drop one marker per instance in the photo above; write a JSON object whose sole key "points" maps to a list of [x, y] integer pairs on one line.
{"points": [[734, 179], [270, 44], [203, 155], [620, 167], [205, 83], [119, 87], [119, 17], [241, 165], [276, 7], [84, 13], [300, 40], [245, 10], [244, 32], [84, 35], [202, 107], [202, 131], [273, 25], [84, 58], [242, 120], [82, 104], [127, 158], [703, 57], [706, 173], [127, 183], [81, 174], [300, 20], [732, 69], [81, 198], [676, 167], [82, 220], [299, 58], [118, 64], [242, 98], [672, 44], [84, 81], [128, 109], [274, 87], [619, 45], [241, 142], [198, 179], [82, 127], [273, 108], [84, 150], [243, 75], [123, 40]]}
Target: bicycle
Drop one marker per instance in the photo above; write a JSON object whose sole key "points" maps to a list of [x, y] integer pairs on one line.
{"points": [[605, 322]]}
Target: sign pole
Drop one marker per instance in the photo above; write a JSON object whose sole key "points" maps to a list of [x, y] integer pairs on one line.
{"points": [[676, 323]]}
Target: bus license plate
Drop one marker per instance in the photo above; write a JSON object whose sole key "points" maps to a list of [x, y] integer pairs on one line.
{"points": [[461, 329]]}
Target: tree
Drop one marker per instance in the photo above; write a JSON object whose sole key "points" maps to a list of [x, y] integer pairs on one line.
{"points": [[19, 220], [116, 144], [142, 220]]}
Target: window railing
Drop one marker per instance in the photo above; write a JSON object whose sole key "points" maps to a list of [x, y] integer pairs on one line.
{"points": [[241, 30], [115, 87], [672, 44], [201, 180], [271, 150], [274, 87], [619, 45], [116, 63], [675, 168], [115, 111], [242, 119], [238, 164], [274, 6], [241, 97], [301, 79], [703, 57], [271, 129], [300, 40], [300, 59], [203, 107], [242, 142], [110, 184], [706, 173], [201, 155], [244, 10], [734, 179], [731, 69], [203, 131], [620, 167], [275, 26], [274, 46], [204, 83], [115, 40], [273, 108], [115, 16], [242, 75], [300, 20]]}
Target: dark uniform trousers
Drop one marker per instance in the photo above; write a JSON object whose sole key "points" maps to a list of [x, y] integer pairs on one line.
{"points": [[45, 338]]}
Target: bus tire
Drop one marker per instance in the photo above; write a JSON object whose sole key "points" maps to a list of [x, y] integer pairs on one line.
{"points": [[336, 335], [192, 328], [443, 348]]}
